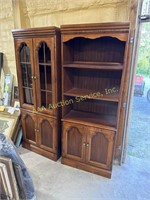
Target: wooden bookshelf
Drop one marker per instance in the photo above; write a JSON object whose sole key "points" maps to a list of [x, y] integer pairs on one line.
{"points": [[93, 62]]}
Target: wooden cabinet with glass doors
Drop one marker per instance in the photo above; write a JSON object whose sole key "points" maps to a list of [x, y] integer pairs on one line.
{"points": [[38, 68]]}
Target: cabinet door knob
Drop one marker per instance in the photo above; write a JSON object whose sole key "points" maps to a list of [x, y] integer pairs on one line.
{"points": [[87, 144], [84, 144], [32, 77], [35, 77]]}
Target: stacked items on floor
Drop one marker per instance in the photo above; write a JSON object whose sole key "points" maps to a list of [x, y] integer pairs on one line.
{"points": [[10, 125], [8, 189], [15, 181]]}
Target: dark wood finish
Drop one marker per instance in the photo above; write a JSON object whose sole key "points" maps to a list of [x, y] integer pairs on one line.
{"points": [[40, 134], [29, 126], [47, 136], [91, 94], [74, 138], [85, 167], [102, 155], [85, 50], [80, 142], [94, 58], [26, 91], [92, 119], [94, 65], [38, 68]]}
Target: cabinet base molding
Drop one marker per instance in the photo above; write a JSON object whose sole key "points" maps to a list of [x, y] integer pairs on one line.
{"points": [[40, 151], [85, 167]]}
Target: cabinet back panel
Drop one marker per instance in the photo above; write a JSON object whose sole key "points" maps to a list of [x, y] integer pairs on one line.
{"points": [[94, 106], [96, 80], [79, 103], [68, 79], [68, 105], [68, 53], [104, 49]]}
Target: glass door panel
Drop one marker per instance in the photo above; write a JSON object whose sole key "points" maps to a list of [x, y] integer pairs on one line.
{"points": [[44, 54], [45, 82], [49, 99], [48, 78], [42, 77], [26, 73], [43, 99]]}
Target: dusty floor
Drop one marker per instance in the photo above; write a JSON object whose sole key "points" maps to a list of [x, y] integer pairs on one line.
{"points": [[54, 181]]}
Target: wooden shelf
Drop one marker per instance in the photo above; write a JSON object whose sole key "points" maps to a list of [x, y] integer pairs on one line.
{"points": [[90, 94], [28, 63], [26, 87], [42, 90], [105, 121], [45, 64], [95, 65]]}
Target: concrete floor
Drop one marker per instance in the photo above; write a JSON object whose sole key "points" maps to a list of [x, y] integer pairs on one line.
{"points": [[54, 181], [139, 129]]}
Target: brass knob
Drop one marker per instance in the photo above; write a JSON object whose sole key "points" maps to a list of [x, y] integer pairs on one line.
{"points": [[84, 144], [32, 77], [87, 144], [34, 110]]}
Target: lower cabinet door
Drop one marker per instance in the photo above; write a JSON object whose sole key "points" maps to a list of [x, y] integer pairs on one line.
{"points": [[74, 141], [29, 127], [46, 133], [100, 147]]}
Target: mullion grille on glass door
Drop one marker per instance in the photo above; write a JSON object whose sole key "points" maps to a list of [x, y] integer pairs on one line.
{"points": [[28, 72], [45, 76]]}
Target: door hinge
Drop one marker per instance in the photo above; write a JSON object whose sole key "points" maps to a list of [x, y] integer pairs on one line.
{"points": [[124, 105], [119, 147], [131, 40]]}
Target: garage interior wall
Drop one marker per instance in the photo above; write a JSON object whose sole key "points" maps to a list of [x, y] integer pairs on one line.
{"points": [[38, 13]]}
